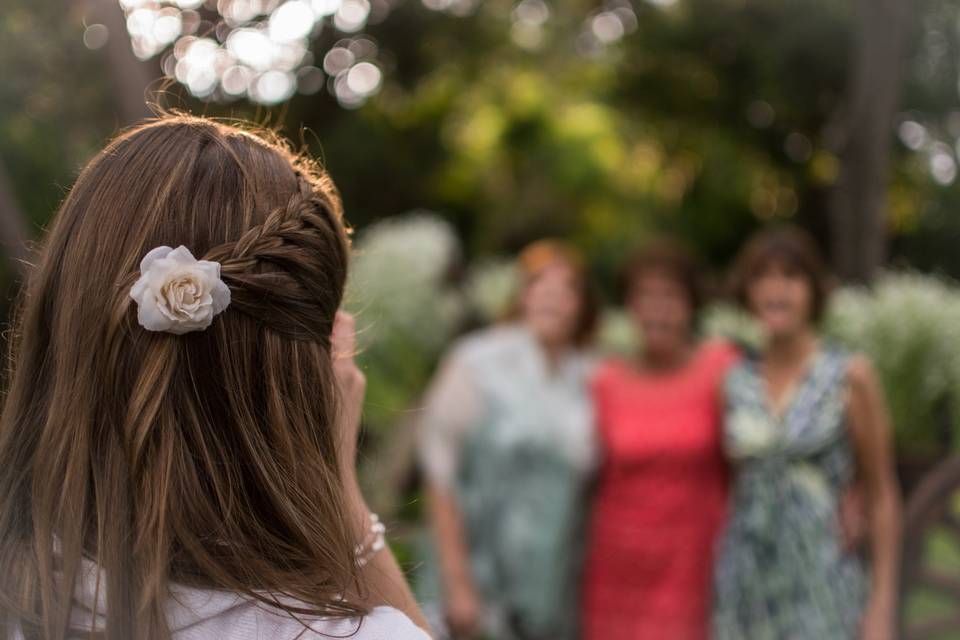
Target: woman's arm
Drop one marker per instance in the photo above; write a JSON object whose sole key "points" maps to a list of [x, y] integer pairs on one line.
{"points": [[870, 428], [461, 602], [384, 579], [382, 576], [452, 408]]}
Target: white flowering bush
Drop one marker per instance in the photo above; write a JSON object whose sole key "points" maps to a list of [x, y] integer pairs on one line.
{"points": [[616, 333], [490, 287], [909, 324], [406, 308], [725, 320]]}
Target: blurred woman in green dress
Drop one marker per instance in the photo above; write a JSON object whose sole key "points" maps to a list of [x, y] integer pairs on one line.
{"points": [[506, 448], [804, 421]]}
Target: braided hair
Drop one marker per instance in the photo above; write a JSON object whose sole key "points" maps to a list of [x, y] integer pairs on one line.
{"points": [[208, 459]]}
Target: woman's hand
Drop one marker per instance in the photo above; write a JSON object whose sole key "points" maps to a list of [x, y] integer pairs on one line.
{"points": [[352, 386], [384, 582], [462, 610], [853, 519]]}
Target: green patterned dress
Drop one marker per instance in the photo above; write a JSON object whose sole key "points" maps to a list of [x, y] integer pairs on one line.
{"points": [[512, 440], [782, 573]]}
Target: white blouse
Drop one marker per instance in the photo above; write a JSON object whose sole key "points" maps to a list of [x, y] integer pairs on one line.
{"points": [[498, 379], [204, 614]]}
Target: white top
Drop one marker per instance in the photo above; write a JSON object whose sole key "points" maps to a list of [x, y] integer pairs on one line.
{"points": [[498, 378], [202, 614], [226, 615]]}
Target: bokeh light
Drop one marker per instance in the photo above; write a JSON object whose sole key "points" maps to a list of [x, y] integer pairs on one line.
{"points": [[254, 49], [260, 50], [606, 27], [943, 166], [95, 36]]}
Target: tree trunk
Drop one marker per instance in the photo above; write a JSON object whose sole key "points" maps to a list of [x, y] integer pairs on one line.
{"points": [[131, 76], [858, 226]]}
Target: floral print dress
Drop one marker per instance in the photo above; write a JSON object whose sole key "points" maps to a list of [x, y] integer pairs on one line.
{"points": [[782, 573]]}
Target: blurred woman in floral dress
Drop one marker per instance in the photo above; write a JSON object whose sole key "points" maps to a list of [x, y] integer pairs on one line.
{"points": [[506, 449], [660, 498], [804, 421]]}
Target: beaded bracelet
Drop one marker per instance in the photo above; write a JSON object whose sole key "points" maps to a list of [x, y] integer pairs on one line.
{"points": [[374, 542]]}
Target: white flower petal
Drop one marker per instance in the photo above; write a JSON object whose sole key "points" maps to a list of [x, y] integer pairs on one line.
{"points": [[220, 293], [138, 289], [152, 256], [182, 255], [151, 317], [210, 270]]}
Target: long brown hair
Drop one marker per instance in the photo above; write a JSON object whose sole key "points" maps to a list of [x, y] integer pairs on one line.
{"points": [[207, 459]]}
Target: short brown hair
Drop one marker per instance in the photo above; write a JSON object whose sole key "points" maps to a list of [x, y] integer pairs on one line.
{"points": [[536, 256], [670, 257], [789, 245]]}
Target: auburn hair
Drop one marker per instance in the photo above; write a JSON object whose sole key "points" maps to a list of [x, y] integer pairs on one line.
{"points": [[535, 258], [208, 459]]}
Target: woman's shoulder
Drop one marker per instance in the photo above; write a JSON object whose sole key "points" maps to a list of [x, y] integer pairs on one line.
{"points": [[612, 372], [720, 353], [387, 623], [259, 622], [739, 373], [859, 372], [489, 342], [382, 623]]}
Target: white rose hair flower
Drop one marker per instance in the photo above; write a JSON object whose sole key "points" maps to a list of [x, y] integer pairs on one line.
{"points": [[177, 293]]}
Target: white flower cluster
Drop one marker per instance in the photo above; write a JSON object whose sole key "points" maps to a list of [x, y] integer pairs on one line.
{"points": [[399, 282], [909, 324], [729, 321], [490, 287], [617, 333]]}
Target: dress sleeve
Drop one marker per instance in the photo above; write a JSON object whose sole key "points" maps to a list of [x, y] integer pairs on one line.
{"points": [[452, 407]]}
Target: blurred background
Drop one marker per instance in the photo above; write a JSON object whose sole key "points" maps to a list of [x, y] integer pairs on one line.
{"points": [[459, 130]]}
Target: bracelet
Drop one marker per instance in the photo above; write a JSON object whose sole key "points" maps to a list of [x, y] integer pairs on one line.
{"points": [[373, 543]]}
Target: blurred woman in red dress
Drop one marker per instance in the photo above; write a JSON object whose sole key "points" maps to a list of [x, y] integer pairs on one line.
{"points": [[661, 495]]}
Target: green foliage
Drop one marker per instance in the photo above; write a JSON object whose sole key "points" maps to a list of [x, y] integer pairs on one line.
{"points": [[55, 102], [710, 118]]}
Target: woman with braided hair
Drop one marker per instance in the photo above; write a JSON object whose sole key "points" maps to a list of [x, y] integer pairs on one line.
{"points": [[178, 442]]}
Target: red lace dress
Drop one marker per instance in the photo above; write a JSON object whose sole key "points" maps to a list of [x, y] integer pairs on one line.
{"points": [[660, 500]]}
